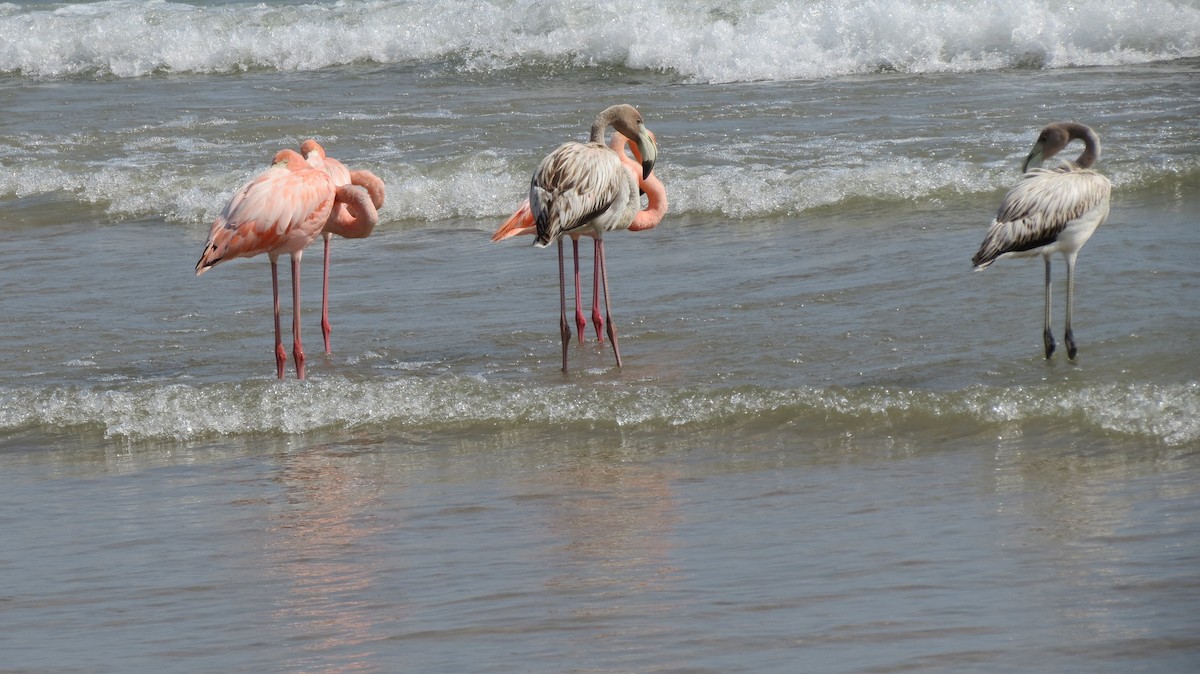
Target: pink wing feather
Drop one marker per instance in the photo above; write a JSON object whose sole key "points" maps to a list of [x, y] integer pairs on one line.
{"points": [[280, 211]]}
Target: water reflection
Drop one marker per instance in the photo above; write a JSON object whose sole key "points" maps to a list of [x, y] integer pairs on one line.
{"points": [[1107, 522], [611, 557], [320, 541]]}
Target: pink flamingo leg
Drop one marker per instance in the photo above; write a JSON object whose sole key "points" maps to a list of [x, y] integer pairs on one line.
{"points": [[612, 331], [580, 321], [563, 327], [297, 347], [280, 353], [596, 319], [326, 328]]}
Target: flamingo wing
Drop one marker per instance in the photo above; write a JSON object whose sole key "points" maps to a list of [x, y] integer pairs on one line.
{"points": [[575, 185], [280, 211], [1041, 207]]}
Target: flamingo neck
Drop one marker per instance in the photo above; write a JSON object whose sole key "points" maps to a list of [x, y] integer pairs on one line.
{"points": [[1091, 150], [597, 132], [604, 120], [656, 207]]}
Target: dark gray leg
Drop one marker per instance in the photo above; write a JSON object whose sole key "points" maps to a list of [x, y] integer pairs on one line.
{"points": [[1047, 336], [1069, 338], [564, 328]]}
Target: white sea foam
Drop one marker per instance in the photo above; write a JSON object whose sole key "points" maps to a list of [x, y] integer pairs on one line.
{"points": [[715, 41], [489, 187], [1169, 414]]}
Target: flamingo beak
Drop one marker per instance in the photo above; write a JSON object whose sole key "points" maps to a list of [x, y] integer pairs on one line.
{"points": [[1035, 158], [648, 149]]}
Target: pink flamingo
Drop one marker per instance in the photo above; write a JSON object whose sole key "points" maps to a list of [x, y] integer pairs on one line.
{"points": [[584, 188], [359, 196], [521, 222], [280, 211]]}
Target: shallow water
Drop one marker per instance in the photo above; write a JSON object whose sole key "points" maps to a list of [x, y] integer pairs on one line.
{"points": [[831, 446]]}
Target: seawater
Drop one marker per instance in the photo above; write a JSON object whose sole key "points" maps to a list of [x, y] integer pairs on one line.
{"points": [[831, 446]]}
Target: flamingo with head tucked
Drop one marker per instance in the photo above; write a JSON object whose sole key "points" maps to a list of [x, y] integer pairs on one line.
{"points": [[278, 212], [359, 196], [584, 188], [1051, 211], [521, 222]]}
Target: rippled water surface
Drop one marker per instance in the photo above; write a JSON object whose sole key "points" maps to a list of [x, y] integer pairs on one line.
{"points": [[831, 447]]}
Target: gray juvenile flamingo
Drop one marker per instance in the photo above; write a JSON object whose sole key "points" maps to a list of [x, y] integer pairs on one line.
{"points": [[1051, 211], [584, 188], [521, 222]]}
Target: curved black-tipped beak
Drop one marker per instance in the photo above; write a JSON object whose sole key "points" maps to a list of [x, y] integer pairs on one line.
{"points": [[648, 149]]}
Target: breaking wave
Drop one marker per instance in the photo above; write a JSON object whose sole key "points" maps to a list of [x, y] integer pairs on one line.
{"points": [[704, 41]]}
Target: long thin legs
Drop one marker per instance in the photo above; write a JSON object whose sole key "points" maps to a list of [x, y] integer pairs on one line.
{"points": [[1047, 336], [297, 347], [600, 281], [280, 353], [596, 319], [326, 328], [1069, 337], [612, 330], [580, 321], [563, 327]]}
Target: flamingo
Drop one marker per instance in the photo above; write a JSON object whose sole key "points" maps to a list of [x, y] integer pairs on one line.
{"points": [[282, 210], [1051, 211], [359, 196], [584, 188], [521, 222]]}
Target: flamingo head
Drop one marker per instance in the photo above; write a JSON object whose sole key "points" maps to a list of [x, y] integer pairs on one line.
{"points": [[290, 158], [1050, 142], [311, 146]]}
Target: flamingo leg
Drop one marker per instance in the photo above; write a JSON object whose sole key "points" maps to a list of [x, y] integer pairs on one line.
{"points": [[1069, 337], [297, 347], [1047, 336], [580, 321], [280, 354], [563, 327], [597, 320], [612, 331], [326, 328]]}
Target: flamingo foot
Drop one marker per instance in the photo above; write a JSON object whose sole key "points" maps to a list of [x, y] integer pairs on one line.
{"points": [[565, 329], [612, 337], [580, 323], [598, 321], [1069, 338], [298, 355], [1048, 340], [280, 360], [326, 329]]}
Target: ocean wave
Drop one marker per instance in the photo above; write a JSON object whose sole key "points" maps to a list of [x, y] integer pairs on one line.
{"points": [[1168, 413], [488, 186], [698, 41]]}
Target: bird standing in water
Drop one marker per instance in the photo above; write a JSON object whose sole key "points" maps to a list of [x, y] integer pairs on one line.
{"points": [[280, 211], [521, 222], [1051, 211], [584, 188], [359, 195]]}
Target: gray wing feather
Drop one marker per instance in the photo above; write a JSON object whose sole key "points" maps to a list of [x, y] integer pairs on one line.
{"points": [[1036, 211], [571, 187]]}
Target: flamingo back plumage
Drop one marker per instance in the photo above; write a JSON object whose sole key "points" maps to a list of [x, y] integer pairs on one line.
{"points": [[280, 211], [1049, 210], [581, 185]]}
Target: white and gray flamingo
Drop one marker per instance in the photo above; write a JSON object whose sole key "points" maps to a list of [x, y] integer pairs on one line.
{"points": [[583, 188], [1051, 211]]}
